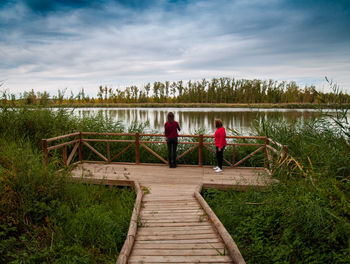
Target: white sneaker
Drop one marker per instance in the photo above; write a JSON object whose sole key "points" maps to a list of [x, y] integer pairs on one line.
{"points": [[218, 170], [215, 168]]}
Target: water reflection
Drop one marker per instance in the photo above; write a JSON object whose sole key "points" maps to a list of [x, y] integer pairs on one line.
{"points": [[193, 119]]}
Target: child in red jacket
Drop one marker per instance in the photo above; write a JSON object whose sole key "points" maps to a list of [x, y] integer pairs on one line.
{"points": [[220, 143]]}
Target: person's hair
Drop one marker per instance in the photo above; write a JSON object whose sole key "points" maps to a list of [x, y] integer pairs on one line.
{"points": [[170, 117], [218, 123]]}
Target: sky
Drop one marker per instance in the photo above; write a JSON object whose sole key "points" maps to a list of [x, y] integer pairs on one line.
{"points": [[48, 45]]}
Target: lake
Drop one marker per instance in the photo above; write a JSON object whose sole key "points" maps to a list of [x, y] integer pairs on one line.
{"points": [[193, 119]]}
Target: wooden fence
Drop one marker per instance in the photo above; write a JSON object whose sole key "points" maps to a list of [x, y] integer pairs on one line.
{"points": [[81, 141]]}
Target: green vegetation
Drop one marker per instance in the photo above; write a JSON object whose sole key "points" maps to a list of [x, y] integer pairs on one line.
{"points": [[217, 92], [305, 217], [45, 217]]}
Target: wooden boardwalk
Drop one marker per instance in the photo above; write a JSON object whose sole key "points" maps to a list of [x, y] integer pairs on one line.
{"points": [[172, 225]]}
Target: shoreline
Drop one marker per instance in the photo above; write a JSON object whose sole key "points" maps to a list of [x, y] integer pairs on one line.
{"points": [[188, 105]]}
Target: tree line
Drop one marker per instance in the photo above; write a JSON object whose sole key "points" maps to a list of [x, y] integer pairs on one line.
{"points": [[214, 91]]}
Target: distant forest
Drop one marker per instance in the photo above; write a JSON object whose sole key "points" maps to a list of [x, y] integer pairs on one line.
{"points": [[214, 91]]}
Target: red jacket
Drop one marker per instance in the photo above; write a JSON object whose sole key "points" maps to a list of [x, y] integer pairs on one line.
{"points": [[220, 137], [171, 129]]}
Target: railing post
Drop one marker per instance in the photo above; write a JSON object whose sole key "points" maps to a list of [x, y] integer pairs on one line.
{"points": [[45, 152], [108, 153], [266, 156], [200, 152], [80, 148], [137, 148], [233, 154], [284, 151], [64, 155]]}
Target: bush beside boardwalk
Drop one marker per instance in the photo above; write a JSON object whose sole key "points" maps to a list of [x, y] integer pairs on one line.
{"points": [[45, 217]]}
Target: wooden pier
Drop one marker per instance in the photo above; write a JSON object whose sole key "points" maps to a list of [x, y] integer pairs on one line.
{"points": [[171, 222]]}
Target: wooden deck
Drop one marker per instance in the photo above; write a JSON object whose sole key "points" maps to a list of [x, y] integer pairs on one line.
{"points": [[172, 225]]}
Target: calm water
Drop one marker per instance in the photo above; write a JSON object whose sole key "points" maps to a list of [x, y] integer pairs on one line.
{"points": [[192, 119]]}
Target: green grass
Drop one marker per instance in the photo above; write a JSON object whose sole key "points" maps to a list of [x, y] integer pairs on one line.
{"points": [[304, 218], [45, 217]]}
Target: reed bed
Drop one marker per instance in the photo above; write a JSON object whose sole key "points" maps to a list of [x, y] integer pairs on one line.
{"points": [[305, 217]]}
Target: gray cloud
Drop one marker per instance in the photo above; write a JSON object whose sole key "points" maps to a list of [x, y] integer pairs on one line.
{"points": [[59, 44]]}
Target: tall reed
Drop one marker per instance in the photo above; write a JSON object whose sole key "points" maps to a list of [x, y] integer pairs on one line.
{"points": [[305, 217]]}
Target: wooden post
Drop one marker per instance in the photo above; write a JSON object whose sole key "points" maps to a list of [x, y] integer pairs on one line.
{"points": [[64, 155], [284, 151], [137, 148], [44, 148], [108, 153], [80, 148], [233, 154], [200, 151], [266, 153]]}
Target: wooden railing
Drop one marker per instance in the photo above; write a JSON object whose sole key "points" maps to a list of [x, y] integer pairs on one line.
{"points": [[79, 140]]}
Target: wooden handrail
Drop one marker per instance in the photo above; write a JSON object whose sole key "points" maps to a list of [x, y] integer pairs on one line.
{"points": [[62, 137], [136, 141], [130, 238]]}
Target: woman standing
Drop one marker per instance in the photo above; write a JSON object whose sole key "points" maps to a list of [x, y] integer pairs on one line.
{"points": [[171, 127], [220, 143]]}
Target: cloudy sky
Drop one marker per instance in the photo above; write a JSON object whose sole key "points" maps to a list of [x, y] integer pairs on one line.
{"points": [[57, 44]]}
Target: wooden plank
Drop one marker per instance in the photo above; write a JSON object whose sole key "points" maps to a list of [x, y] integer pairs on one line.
{"points": [[157, 215], [179, 220], [95, 151], [168, 199], [177, 252], [170, 208], [172, 224], [145, 232], [171, 212], [179, 259], [183, 228], [235, 187], [182, 241], [170, 203], [161, 245], [176, 210], [175, 218], [190, 201], [175, 237], [154, 153], [72, 153]]}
